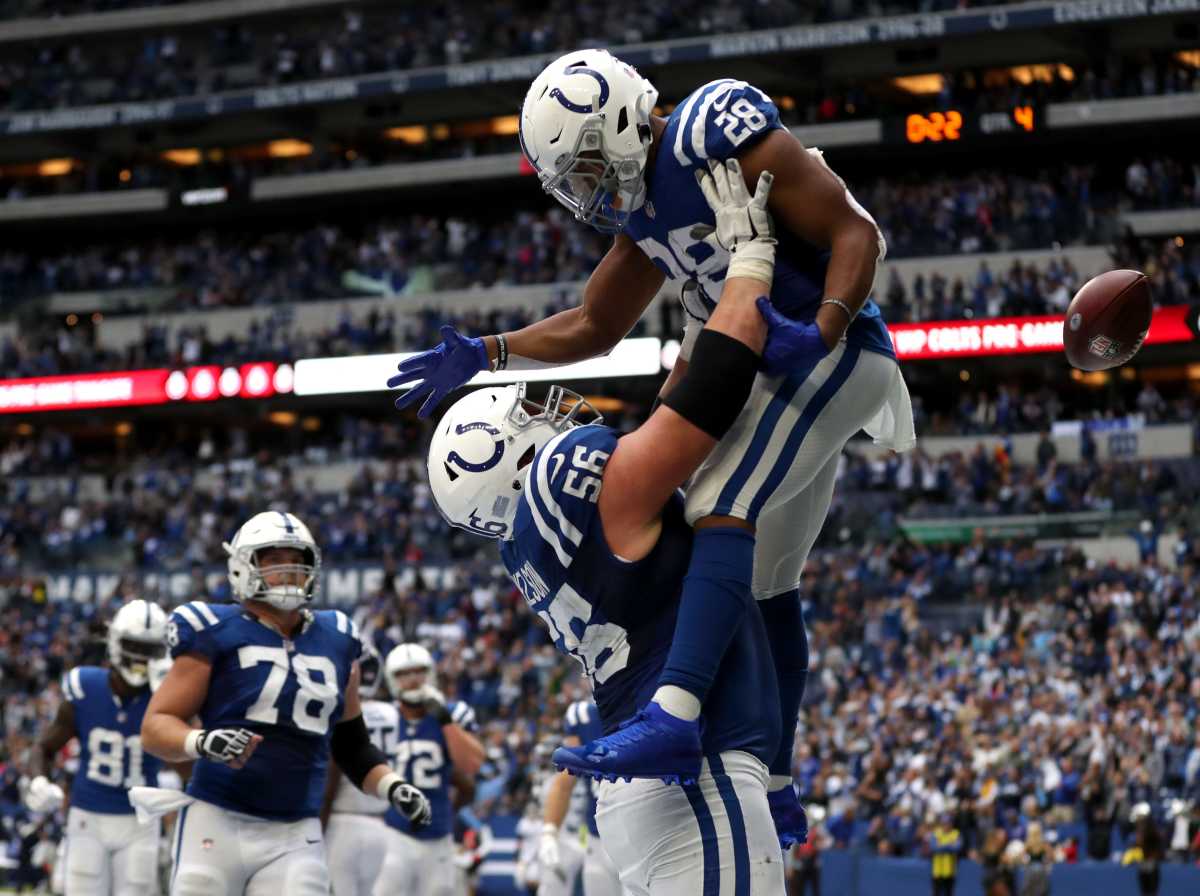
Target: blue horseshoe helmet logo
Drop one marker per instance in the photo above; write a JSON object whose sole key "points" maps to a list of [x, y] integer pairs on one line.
{"points": [[577, 107], [455, 458]]}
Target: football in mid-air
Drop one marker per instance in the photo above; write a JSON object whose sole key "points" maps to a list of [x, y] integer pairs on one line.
{"points": [[1108, 320]]}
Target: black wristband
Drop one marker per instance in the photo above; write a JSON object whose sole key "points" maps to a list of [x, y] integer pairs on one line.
{"points": [[501, 351], [717, 384]]}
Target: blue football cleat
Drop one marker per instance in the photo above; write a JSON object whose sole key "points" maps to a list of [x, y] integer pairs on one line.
{"points": [[652, 744], [791, 821]]}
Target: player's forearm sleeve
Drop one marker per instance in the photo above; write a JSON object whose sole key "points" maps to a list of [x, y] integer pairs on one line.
{"points": [[717, 384], [353, 751]]}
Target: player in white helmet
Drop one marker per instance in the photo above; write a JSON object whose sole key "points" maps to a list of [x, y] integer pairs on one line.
{"points": [[436, 748], [275, 686], [355, 833], [109, 853], [587, 127]]}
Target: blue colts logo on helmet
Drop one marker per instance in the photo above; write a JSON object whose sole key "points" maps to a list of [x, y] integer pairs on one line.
{"points": [[576, 107], [455, 458]]}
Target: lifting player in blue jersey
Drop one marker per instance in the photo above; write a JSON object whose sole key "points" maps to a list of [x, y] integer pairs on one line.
{"points": [[564, 850], [592, 531], [435, 748], [108, 852], [275, 686], [588, 129]]}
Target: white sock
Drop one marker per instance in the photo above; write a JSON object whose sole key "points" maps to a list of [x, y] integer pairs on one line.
{"points": [[678, 702], [778, 782]]}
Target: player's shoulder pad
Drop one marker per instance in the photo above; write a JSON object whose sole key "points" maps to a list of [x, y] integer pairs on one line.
{"points": [[191, 627], [82, 681], [722, 119], [379, 711], [564, 484], [462, 715], [336, 620]]}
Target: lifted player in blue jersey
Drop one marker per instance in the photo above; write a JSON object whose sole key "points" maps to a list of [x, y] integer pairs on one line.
{"points": [[434, 748], [592, 531], [109, 853], [588, 128], [275, 687], [565, 851]]}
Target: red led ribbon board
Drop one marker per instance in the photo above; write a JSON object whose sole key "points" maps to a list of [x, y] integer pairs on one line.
{"points": [[1012, 335]]}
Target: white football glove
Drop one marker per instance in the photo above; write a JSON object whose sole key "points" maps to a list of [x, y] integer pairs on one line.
{"points": [[43, 796], [409, 802], [224, 745], [743, 224], [548, 852]]}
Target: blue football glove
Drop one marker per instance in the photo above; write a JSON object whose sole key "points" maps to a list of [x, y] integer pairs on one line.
{"points": [[791, 346], [440, 371]]}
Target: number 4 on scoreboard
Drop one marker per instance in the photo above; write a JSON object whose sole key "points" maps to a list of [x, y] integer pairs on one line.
{"points": [[1023, 115]]}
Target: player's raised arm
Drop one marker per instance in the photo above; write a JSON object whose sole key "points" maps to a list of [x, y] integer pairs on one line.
{"points": [[614, 299], [809, 200]]}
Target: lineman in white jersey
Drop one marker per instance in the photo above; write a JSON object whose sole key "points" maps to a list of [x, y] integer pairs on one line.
{"points": [[570, 841], [355, 834]]}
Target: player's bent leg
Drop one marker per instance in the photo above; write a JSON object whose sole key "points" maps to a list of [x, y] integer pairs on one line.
{"points": [[88, 870], [443, 875], [300, 872], [401, 865], [135, 864], [207, 853], [355, 847], [600, 876]]}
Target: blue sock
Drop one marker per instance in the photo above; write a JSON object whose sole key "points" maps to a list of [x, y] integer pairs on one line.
{"points": [[784, 620], [716, 597]]}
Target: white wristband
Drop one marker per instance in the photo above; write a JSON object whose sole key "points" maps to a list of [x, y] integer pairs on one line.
{"points": [[755, 259], [191, 743], [549, 827], [384, 787]]}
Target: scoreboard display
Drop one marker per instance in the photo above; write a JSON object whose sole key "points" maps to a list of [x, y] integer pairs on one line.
{"points": [[953, 125]]}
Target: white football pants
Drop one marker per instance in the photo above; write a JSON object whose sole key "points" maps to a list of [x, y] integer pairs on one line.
{"points": [[110, 855], [712, 838], [224, 853], [356, 846], [419, 867]]}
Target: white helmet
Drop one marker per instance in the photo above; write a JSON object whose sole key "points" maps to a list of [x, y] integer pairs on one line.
{"points": [[585, 128], [370, 672], [481, 447], [137, 635], [408, 658], [272, 529]]}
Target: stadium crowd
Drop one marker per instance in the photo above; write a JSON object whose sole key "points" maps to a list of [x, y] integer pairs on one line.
{"points": [[51, 347], [368, 39], [978, 212]]}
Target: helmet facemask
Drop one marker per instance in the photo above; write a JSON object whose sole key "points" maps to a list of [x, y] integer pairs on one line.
{"points": [[599, 190], [281, 596], [131, 657]]}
